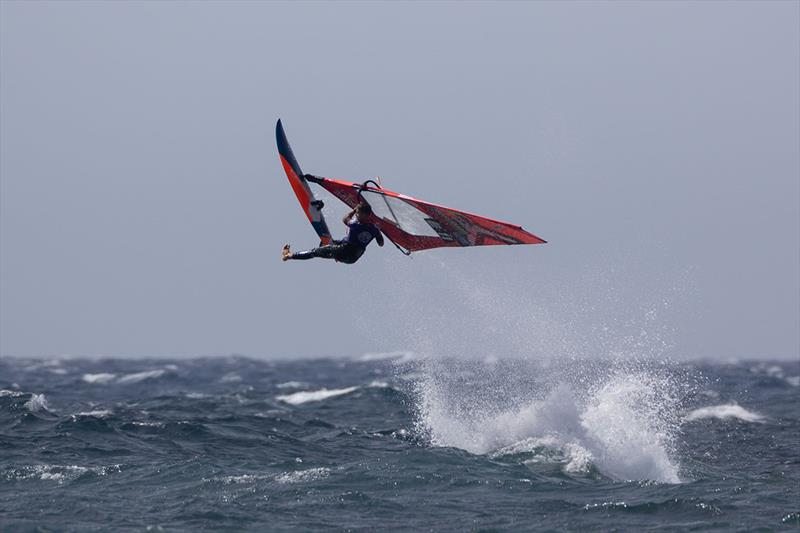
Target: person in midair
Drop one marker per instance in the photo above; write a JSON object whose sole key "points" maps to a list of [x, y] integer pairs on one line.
{"points": [[360, 233]]}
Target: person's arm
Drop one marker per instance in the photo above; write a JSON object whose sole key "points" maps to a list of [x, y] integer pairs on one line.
{"points": [[379, 238], [348, 216]]}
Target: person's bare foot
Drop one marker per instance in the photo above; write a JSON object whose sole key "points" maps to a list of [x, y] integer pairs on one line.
{"points": [[286, 253]]}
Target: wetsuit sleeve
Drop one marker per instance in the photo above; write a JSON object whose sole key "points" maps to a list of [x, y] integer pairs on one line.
{"points": [[377, 234]]}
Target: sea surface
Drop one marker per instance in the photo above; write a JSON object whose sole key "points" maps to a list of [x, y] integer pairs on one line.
{"points": [[398, 442]]}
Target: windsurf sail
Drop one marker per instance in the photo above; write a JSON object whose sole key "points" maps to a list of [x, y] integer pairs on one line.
{"points": [[311, 206], [418, 225]]}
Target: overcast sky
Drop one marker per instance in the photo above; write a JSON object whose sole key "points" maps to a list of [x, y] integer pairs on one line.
{"points": [[654, 145]]}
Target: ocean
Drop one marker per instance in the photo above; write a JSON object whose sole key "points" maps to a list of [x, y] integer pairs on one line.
{"points": [[398, 441]]}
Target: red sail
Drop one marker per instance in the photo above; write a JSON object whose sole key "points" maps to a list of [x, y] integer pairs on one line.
{"points": [[417, 225]]}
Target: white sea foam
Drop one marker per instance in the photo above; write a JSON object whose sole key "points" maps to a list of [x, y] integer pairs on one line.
{"points": [[292, 385], [100, 379], [243, 478], [230, 377], [297, 476], [37, 403], [628, 423], [303, 476], [623, 425], [100, 413], [773, 371], [57, 473], [141, 376], [10, 393], [302, 397], [551, 449], [398, 356], [724, 412], [148, 424]]}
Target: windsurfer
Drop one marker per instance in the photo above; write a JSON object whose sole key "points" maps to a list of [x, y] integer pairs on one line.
{"points": [[348, 250]]}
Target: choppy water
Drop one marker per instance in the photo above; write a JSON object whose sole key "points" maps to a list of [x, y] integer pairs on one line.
{"points": [[399, 442]]}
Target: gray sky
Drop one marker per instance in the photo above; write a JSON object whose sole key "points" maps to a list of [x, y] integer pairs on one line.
{"points": [[655, 145]]}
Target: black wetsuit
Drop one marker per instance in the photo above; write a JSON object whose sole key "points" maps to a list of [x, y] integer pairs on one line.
{"points": [[347, 250]]}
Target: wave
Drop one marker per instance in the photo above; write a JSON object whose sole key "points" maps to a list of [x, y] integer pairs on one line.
{"points": [[138, 377], [292, 385], [198, 395], [398, 356], [139, 423], [776, 372], [99, 413], [296, 476], [575, 458], [771, 370], [302, 397], [57, 473], [303, 476], [725, 412], [101, 379], [243, 478], [230, 377], [33, 406], [37, 404], [105, 378], [624, 426]]}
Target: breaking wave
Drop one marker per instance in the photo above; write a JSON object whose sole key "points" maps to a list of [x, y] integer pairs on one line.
{"points": [[724, 412], [105, 378], [100, 378], [99, 413], [624, 425], [37, 404], [302, 397], [141, 376]]}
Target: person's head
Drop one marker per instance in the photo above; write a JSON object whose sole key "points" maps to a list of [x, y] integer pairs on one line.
{"points": [[363, 211]]}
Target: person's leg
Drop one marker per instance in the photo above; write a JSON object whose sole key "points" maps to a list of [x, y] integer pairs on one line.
{"points": [[326, 252], [348, 254]]}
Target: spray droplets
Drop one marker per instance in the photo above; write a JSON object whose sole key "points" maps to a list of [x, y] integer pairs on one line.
{"points": [[624, 423]]}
